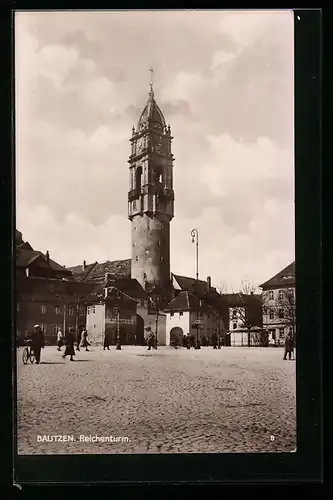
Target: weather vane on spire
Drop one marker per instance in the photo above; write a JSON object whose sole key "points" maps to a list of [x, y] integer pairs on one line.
{"points": [[151, 79]]}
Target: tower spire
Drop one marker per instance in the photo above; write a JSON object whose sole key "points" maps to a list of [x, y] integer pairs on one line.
{"points": [[151, 93]]}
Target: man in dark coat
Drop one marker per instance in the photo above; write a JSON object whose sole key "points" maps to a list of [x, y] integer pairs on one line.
{"points": [[151, 340], [37, 342], [288, 346], [69, 343], [214, 340], [106, 341]]}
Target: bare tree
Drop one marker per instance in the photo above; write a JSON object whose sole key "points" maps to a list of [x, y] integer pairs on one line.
{"points": [[222, 288], [249, 311], [286, 306]]}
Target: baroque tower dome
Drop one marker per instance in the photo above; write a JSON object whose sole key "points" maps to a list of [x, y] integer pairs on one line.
{"points": [[151, 115]]}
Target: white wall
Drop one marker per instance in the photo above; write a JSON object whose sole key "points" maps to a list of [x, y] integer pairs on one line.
{"points": [[238, 338], [177, 320], [96, 323]]}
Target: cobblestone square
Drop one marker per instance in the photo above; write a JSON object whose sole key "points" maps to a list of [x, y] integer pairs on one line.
{"points": [[160, 401]]}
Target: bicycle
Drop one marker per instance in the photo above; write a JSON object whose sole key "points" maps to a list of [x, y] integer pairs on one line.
{"points": [[28, 355]]}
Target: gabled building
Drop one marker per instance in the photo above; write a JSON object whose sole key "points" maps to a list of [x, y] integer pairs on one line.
{"points": [[279, 304], [135, 310], [30, 262], [188, 314], [118, 274], [46, 294], [213, 308]]}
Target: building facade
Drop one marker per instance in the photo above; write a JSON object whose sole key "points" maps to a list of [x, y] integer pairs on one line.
{"points": [[279, 305], [46, 294], [151, 200], [187, 314], [245, 320]]}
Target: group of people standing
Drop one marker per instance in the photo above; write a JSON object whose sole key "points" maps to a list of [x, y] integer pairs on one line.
{"points": [[70, 339], [190, 341]]}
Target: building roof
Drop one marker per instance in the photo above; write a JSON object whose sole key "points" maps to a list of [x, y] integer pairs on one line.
{"points": [[130, 287], [116, 268], [26, 256], [285, 277], [52, 289], [186, 301], [241, 299], [114, 292], [192, 285]]}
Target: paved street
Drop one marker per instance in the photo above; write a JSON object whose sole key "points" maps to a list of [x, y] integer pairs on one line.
{"points": [[164, 401]]}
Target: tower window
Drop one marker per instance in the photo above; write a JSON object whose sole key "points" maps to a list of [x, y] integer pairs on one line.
{"points": [[134, 243], [138, 174], [136, 258], [134, 205]]}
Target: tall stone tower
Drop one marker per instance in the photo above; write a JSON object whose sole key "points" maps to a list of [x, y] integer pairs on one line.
{"points": [[151, 200]]}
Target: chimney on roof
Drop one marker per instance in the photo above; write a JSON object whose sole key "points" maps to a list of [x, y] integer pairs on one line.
{"points": [[209, 284], [47, 256], [84, 265]]}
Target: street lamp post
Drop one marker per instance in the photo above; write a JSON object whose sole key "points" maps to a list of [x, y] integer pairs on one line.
{"points": [[195, 239]]}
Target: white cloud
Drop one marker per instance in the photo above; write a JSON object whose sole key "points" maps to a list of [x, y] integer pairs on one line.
{"points": [[220, 58], [183, 87], [244, 28], [232, 163], [75, 240]]}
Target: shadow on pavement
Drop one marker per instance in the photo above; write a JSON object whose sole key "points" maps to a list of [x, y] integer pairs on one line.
{"points": [[51, 363], [81, 360]]}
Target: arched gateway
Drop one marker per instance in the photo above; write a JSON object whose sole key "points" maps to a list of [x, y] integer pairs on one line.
{"points": [[176, 335]]}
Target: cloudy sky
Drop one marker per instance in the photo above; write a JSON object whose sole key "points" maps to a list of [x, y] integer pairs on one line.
{"points": [[224, 81]]}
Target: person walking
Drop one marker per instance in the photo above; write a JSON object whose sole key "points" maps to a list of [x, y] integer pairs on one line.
{"points": [[288, 346], [150, 341], [106, 341], [60, 340], [84, 339], [37, 342], [214, 340], [69, 341]]}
